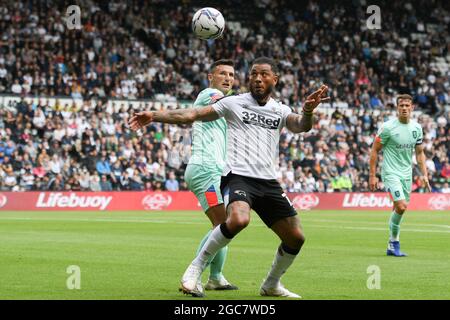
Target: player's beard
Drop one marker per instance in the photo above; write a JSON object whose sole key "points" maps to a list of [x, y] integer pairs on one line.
{"points": [[260, 96]]}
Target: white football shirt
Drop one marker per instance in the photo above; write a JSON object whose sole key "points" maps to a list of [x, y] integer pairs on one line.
{"points": [[253, 135]]}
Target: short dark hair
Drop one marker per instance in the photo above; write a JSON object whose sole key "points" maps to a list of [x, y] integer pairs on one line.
{"points": [[226, 62], [266, 60], [404, 97]]}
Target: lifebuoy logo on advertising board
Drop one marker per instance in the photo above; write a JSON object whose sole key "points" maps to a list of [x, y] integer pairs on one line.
{"points": [[114, 201], [59, 200], [305, 201], [355, 200], [3, 200], [441, 202], [157, 201]]}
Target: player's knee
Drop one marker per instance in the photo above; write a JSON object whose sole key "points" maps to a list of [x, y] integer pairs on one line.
{"points": [[400, 207], [299, 240], [296, 240], [302, 239], [239, 218], [239, 222]]}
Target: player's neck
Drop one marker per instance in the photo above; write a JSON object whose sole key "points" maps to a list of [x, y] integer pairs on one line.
{"points": [[403, 120], [261, 100]]}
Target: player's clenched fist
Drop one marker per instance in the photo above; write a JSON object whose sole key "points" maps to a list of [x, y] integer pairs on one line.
{"points": [[140, 120], [373, 183]]}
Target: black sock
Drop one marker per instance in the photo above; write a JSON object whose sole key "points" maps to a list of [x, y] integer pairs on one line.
{"points": [[289, 250], [226, 232]]}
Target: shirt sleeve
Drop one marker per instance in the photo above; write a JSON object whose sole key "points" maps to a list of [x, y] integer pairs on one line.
{"points": [[222, 106], [285, 112], [207, 97], [419, 136], [383, 134], [211, 97]]}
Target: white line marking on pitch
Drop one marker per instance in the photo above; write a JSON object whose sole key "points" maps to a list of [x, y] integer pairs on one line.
{"points": [[376, 229], [202, 222], [381, 223], [100, 220]]}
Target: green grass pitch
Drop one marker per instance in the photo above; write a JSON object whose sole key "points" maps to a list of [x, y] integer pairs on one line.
{"points": [[142, 255]]}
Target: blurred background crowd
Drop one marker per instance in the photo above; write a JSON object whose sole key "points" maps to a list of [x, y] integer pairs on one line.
{"points": [[146, 50]]}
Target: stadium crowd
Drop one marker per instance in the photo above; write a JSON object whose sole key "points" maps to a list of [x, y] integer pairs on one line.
{"points": [[133, 50], [50, 148]]}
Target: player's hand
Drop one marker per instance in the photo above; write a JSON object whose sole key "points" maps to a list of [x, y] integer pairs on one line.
{"points": [[373, 183], [426, 183], [316, 98], [140, 120]]}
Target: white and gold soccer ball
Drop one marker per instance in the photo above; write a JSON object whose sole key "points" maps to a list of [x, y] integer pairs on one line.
{"points": [[208, 23]]}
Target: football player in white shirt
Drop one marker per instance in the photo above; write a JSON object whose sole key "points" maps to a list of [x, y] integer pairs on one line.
{"points": [[254, 123]]}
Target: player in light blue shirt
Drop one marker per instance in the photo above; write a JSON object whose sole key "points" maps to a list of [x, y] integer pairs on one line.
{"points": [[399, 139]]}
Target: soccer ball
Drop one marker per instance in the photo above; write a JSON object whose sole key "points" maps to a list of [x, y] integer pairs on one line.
{"points": [[208, 23]]}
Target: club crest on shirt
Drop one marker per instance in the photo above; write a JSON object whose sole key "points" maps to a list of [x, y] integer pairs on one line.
{"points": [[414, 133]]}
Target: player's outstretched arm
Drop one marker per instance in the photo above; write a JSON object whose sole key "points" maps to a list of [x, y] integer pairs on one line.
{"points": [[180, 116], [373, 180], [421, 158], [297, 123]]}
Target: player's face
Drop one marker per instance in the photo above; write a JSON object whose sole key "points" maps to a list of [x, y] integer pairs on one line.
{"points": [[222, 78], [262, 80], [404, 108]]}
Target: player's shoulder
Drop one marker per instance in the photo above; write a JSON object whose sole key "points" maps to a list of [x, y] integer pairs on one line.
{"points": [[279, 105], [232, 97], [390, 123], [207, 96], [240, 96], [416, 124], [386, 127], [210, 93], [285, 107]]}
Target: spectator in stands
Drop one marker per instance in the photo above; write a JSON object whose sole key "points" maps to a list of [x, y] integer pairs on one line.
{"points": [[84, 180], [136, 182], [116, 173], [10, 180], [125, 181], [94, 183], [445, 172], [172, 183], [105, 185], [56, 183], [103, 167], [55, 165], [157, 186], [27, 180], [445, 188], [73, 183]]}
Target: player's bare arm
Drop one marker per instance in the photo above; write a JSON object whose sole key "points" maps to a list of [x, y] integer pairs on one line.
{"points": [[180, 116], [420, 156], [303, 123], [373, 180]]}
